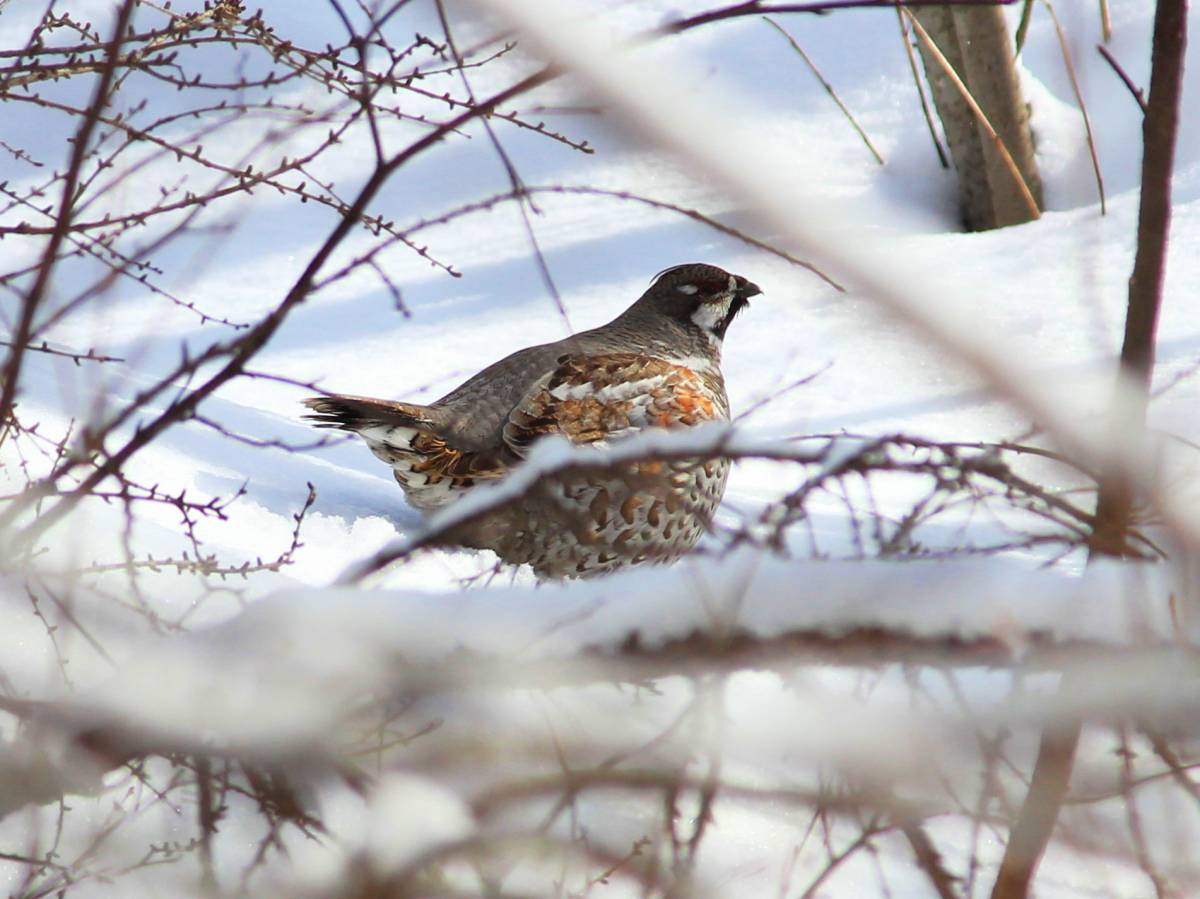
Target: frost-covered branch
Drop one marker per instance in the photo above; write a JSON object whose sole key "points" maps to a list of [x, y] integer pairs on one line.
{"points": [[954, 473]]}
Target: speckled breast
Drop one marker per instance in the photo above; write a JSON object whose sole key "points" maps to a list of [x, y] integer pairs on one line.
{"points": [[582, 525], [592, 522]]}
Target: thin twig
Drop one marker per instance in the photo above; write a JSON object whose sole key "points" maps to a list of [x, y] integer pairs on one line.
{"points": [[920, 85], [1138, 94], [1133, 818], [247, 346], [1087, 122], [1023, 25], [760, 8], [74, 355], [929, 859], [1178, 771], [524, 204], [62, 223], [825, 84], [695, 215]]}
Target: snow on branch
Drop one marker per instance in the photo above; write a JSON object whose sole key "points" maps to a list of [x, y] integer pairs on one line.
{"points": [[555, 457], [970, 471], [748, 596], [277, 679]]}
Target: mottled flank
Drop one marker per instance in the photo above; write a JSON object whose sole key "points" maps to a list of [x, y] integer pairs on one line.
{"points": [[655, 366], [586, 524]]}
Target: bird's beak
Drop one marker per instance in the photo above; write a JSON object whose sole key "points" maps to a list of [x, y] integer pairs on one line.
{"points": [[747, 289]]}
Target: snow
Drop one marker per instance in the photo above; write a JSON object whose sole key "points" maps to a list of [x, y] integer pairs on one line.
{"points": [[395, 838], [283, 673], [940, 334]]}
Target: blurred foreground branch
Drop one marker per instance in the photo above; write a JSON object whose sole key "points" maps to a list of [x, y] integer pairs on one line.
{"points": [[1034, 825]]}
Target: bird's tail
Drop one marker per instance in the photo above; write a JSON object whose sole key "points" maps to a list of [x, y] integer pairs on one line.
{"points": [[360, 413]]}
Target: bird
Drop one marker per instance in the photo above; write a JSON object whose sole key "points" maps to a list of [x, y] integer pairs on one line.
{"points": [[656, 365]]}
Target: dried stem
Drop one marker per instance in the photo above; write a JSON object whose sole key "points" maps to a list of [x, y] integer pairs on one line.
{"points": [[1087, 122], [828, 87]]}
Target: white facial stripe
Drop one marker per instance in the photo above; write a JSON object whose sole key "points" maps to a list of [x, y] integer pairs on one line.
{"points": [[689, 289], [710, 315]]}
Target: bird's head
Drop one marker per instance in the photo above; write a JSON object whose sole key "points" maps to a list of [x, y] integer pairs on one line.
{"points": [[699, 296]]}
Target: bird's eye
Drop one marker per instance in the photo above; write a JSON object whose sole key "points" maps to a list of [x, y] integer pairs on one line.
{"points": [[689, 289]]}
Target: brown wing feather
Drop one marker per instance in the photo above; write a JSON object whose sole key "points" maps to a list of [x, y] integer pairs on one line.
{"points": [[438, 459], [593, 398]]}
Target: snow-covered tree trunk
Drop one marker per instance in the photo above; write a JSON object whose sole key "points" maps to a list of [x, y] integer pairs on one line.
{"points": [[975, 41]]}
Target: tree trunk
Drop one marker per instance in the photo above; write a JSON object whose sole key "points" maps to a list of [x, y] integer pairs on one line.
{"points": [[975, 40]]}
